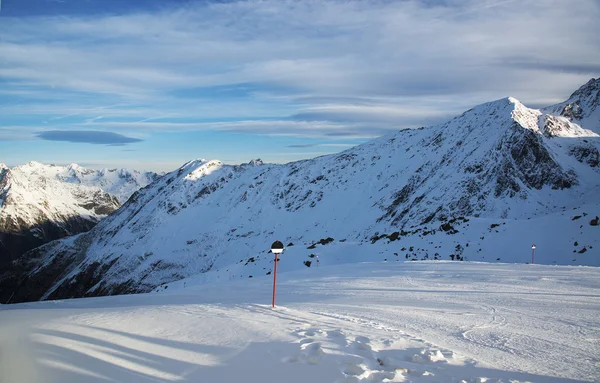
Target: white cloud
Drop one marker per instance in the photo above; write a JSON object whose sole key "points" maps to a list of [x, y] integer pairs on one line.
{"points": [[411, 61]]}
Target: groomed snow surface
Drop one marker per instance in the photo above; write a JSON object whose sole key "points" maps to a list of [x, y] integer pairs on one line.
{"points": [[368, 322]]}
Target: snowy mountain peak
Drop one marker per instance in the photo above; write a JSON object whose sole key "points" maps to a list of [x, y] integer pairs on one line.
{"points": [[193, 164], [582, 107], [201, 169], [75, 168], [32, 165], [534, 120], [590, 90], [495, 113], [515, 102], [526, 117]]}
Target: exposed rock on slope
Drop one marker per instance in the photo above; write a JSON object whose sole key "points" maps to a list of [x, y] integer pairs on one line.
{"points": [[583, 107]]}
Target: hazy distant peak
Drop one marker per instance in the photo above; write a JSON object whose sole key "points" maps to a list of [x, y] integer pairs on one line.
{"points": [[74, 166], [32, 164]]}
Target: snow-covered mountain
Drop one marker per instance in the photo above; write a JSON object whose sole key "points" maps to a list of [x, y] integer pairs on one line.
{"points": [[583, 107], [482, 186], [40, 203], [121, 183]]}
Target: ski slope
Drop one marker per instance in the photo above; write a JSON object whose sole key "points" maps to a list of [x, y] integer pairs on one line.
{"points": [[368, 322]]}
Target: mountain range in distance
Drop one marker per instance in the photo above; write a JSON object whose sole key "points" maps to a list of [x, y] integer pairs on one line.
{"points": [[40, 203]]}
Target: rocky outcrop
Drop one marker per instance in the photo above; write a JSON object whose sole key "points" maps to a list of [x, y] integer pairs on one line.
{"points": [[582, 107]]}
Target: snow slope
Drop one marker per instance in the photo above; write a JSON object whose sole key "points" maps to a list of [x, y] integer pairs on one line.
{"points": [[40, 203], [416, 322], [471, 188]]}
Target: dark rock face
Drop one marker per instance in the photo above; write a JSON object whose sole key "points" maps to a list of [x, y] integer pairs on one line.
{"points": [[533, 163], [587, 154], [572, 111], [14, 243], [525, 160]]}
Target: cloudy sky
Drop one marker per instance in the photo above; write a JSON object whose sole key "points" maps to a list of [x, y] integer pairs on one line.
{"points": [[152, 84]]}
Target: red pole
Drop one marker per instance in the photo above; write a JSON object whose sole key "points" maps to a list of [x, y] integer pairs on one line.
{"points": [[275, 281]]}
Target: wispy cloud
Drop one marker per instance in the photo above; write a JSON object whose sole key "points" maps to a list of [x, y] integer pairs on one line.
{"points": [[321, 145], [87, 136], [303, 146], [320, 68], [291, 127]]}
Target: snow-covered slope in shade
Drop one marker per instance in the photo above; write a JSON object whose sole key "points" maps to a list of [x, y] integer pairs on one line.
{"points": [[583, 107], [419, 322], [40, 203], [429, 193]]}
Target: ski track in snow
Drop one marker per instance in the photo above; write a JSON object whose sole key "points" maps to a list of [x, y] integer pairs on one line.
{"points": [[348, 324]]}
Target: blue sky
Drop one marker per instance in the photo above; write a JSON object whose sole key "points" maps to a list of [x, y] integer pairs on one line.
{"points": [[152, 84]]}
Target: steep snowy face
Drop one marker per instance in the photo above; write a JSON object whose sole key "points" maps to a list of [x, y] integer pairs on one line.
{"points": [[40, 203], [582, 107]]}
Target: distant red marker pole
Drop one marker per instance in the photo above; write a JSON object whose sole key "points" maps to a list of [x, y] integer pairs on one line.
{"points": [[533, 254], [276, 248]]}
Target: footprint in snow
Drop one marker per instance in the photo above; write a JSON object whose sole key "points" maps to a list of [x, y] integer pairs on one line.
{"points": [[429, 356], [310, 353], [306, 340], [336, 334], [361, 361], [362, 343], [309, 333]]}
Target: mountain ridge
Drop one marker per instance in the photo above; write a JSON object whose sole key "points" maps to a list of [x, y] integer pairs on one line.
{"points": [[40, 203], [498, 161], [119, 182], [582, 107]]}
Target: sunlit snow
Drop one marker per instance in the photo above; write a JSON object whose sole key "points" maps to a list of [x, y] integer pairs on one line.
{"points": [[369, 322]]}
